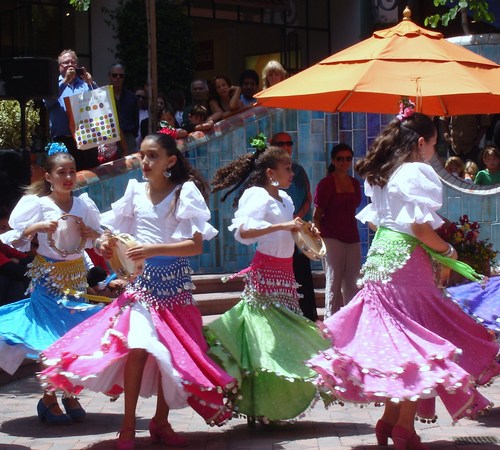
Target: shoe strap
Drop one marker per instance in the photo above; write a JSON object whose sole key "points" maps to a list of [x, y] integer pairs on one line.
{"points": [[51, 405]]}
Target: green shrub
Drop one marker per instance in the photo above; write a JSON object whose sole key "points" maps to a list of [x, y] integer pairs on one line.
{"points": [[10, 123]]}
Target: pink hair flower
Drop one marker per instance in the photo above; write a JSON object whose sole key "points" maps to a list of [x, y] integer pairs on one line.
{"points": [[406, 109]]}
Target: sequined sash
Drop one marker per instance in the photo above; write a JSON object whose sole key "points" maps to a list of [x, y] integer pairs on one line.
{"points": [[58, 277], [165, 282]]}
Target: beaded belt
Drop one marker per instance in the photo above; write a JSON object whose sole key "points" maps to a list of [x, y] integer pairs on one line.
{"points": [[165, 282], [58, 276]]}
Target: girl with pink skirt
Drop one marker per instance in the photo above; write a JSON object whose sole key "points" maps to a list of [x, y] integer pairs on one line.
{"points": [[149, 340], [400, 340]]}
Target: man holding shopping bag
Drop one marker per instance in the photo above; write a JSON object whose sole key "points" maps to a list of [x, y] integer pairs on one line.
{"points": [[72, 80]]}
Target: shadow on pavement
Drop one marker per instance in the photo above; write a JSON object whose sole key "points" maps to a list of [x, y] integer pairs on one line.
{"points": [[94, 424], [13, 447], [490, 418]]}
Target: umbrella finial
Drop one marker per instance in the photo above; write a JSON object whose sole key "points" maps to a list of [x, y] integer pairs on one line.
{"points": [[407, 13]]}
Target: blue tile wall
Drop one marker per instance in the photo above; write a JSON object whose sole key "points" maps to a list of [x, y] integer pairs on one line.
{"points": [[314, 134]]}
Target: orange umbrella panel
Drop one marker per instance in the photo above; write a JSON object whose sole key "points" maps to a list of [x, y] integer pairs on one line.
{"points": [[440, 77]]}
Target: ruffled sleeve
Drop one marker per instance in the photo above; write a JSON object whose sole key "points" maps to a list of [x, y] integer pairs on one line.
{"points": [[250, 214], [192, 214], [27, 212], [120, 218], [416, 194], [92, 216]]}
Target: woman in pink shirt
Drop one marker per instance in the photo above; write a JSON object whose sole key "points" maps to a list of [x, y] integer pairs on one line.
{"points": [[336, 198]]}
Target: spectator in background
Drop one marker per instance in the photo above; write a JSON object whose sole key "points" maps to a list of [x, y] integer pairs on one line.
{"points": [[336, 199], [161, 103], [470, 171], [249, 84], [177, 101], [464, 134], [167, 120], [300, 192], [455, 166], [224, 98], [199, 96], [142, 105], [272, 73], [128, 109], [491, 159], [70, 83]]}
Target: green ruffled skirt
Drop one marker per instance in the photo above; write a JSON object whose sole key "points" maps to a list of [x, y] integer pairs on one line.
{"points": [[264, 344]]}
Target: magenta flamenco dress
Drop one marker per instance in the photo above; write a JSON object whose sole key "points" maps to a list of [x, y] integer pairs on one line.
{"points": [[156, 313], [400, 337]]}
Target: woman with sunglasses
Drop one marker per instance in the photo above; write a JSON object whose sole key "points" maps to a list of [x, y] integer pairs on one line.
{"points": [[336, 198]]}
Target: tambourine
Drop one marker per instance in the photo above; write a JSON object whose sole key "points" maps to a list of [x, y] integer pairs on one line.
{"points": [[125, 268], [311, 245], [67, 238]]}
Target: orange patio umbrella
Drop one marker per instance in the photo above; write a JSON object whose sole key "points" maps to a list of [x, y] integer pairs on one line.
{"points": [[406, 60]]}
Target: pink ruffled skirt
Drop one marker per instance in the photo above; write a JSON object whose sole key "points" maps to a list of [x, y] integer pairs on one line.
{"points": [[93, 354], [403, 339]]}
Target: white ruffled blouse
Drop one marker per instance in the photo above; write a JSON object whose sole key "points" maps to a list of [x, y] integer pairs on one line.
{"points": [[32, 209], [412, 195], [163, 223], [258, 210]]}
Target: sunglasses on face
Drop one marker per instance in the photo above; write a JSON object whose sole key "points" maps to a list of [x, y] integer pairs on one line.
{"points": [[343, 158], [141, 97], [283, 143], [118, 75]]}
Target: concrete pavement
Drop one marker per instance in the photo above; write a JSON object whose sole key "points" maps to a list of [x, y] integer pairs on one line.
{"points": [[347, 427]]}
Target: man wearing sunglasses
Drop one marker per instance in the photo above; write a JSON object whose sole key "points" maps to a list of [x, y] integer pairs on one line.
{"points": [[73, 79], [127, 107], [300, 192]]}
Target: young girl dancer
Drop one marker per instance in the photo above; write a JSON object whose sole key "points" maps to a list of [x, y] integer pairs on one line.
{"points": [[149, 340], [399, 337], [29, 326], [265, 334]]}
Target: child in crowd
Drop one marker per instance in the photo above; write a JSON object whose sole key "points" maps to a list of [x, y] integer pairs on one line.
{"points": [[455, 166], [149, 340], [491, 159], [198, 119], [265, 335], [29, 326], [102, 284], [470, 171]]}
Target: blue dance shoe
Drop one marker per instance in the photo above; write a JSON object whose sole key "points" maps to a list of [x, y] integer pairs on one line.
{"points": [[77, 414], [45, 415]]}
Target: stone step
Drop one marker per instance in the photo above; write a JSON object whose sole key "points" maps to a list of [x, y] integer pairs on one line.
{"points": [[210, 283], [211, 303]]}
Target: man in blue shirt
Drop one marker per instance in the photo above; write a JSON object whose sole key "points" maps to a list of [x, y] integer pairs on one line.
{"points": [[300, 192], [72, 80]]}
